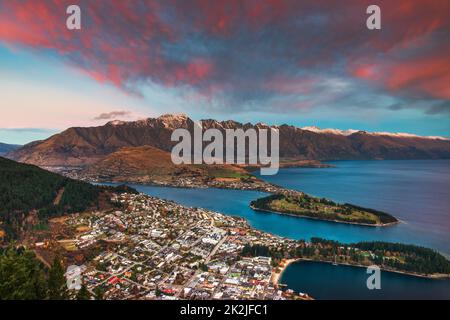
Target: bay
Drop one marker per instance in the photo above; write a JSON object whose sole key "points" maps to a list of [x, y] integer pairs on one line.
{"points": [[326, 281]]}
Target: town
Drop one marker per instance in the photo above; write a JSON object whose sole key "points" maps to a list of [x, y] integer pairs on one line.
{"points": [[157, 249], [142, 247]]}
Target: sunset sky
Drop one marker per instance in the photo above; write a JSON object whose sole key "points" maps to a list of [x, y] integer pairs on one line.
{"points": [[297, 62]]}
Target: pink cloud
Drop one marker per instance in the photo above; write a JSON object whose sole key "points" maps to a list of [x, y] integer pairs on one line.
{"points": [[129, 42]]}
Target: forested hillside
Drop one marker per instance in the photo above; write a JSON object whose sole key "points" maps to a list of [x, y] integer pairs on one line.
{"points": [[391, 256], [24, 277], [25, 188]]}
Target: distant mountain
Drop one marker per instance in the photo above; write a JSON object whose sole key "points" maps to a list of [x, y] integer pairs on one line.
{"points": [[5, 148], [351, 131], [82, 146]]}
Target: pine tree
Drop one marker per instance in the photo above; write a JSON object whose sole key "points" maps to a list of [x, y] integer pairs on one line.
{"points": [[56, 281], [98, 293], [83, 293], [21, 275]]}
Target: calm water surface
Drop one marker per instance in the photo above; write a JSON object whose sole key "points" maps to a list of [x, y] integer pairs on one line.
{"points": [[326, 281]]}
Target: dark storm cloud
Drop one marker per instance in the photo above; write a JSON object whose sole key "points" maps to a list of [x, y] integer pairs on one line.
{"points": [[252, 55]]}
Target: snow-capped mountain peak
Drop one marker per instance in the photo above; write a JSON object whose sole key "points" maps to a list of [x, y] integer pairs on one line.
{"points": [[351, 131]]}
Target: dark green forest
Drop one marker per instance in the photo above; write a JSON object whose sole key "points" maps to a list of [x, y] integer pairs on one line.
{"points": [[417, 259], [24, 188], [23, 277]]}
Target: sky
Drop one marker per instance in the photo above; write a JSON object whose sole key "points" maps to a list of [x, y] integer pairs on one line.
{"points": [[304, 63]]}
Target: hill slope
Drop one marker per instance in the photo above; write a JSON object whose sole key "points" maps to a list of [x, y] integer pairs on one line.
{"points": [[28, 190], [150, 164], [5, 148], [81, 146]]}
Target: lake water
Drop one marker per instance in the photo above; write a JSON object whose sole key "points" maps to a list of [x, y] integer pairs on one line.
{"points": [[416, 192], [326, 281]]}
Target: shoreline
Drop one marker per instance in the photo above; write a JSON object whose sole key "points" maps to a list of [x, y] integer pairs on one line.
{"points": [[411, 274], [252, 207], [319, 219], [277, 275], [208, 187], [176, 186], [328, 220]]}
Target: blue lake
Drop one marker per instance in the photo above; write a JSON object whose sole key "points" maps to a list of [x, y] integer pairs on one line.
{"points": [[416, 192], [326, 281]]}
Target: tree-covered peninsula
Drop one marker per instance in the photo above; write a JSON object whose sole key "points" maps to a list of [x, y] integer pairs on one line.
{"points": [[303, 205]]}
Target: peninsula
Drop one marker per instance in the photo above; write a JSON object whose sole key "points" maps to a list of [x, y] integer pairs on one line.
{"points": [[300, 204]]}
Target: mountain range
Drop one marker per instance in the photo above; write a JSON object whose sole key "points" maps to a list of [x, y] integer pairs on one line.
{"points": [[5, 148], [83, 146]]}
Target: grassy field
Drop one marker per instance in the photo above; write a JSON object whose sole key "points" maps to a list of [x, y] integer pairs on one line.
{"points": [[233, 173]]}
